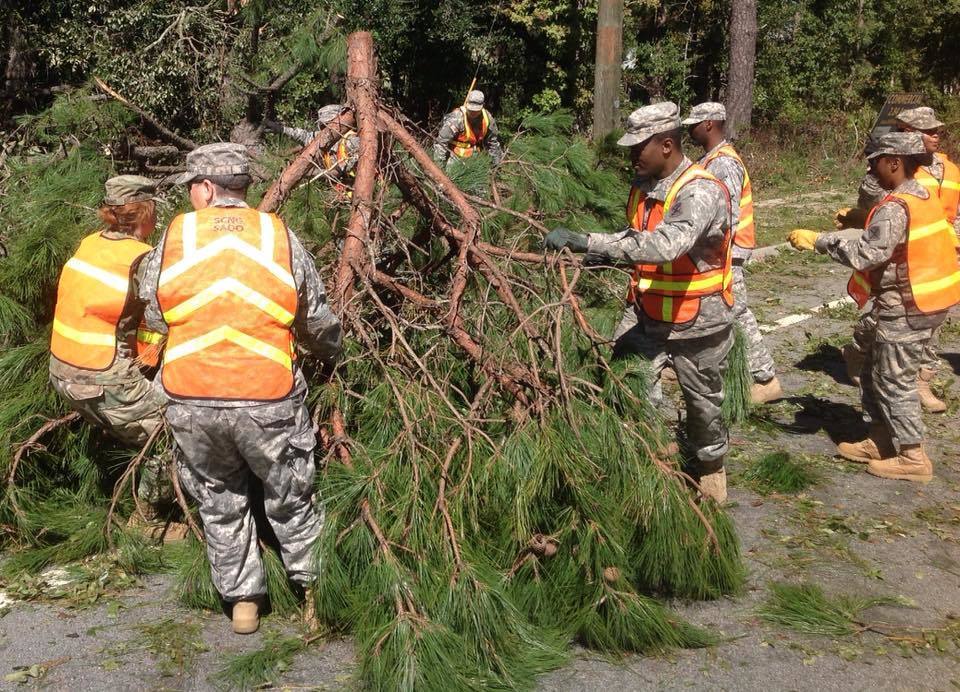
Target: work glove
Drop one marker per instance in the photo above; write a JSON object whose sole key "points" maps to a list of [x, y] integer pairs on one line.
{"points": [[560, 238], [803, 239], [849, 217]]}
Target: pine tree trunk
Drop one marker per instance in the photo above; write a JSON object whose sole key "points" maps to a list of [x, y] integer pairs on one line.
{"points": [[743, 50], [606, 84]]}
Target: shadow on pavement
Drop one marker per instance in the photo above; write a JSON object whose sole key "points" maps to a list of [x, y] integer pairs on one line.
{"points": [[826, 359], [841, 422]]}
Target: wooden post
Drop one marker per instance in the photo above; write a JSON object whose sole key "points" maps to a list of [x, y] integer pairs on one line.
{"points": [[606, 82]]}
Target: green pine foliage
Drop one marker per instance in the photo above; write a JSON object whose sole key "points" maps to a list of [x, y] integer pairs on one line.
{"points": [[259, 668], [737, 381], [778, 473], [806, 608]]}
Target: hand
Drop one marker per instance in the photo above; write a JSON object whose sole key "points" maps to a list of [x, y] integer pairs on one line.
{"points": [[840, 217], [850, 217], [803, 239], [560, 238]]}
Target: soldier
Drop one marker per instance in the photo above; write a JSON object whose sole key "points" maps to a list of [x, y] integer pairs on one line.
{"points": [[467, 129], [706, 127], [941, 178], [339, 160], [236, 293], [681, 293], [905, 260], [99, 351]]}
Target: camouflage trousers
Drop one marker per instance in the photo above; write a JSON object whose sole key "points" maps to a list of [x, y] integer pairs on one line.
{"points": [[758, 355], [699, 366], [865, 330], [888, 378], [129, 412], [219, 450]]}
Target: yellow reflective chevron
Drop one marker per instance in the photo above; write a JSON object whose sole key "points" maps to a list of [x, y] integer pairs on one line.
{"points": [[86, 338], [117, 283], [227, 333], [220, 288]]}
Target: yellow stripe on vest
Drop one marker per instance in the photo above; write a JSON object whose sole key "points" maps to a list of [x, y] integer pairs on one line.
{"points": [[232, 335], [145, 336], [117, 283], [645, 284], [938, 285], [86, 338], [744, 222], [222, 287], [930, 229]]}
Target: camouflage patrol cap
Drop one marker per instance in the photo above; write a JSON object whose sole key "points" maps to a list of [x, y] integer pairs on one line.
{"points": [[711, 110], [899, 144], [124, 189], [650, 120], [921, 118], [221, 158], [475, 100], [329, 113]]}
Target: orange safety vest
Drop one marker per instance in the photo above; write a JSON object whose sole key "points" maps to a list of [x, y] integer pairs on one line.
{"points": [[342, 153], [946, 190], [932, 268], [467, 141], [745, 235], [227, 294], [671, 292], [91, 296]]}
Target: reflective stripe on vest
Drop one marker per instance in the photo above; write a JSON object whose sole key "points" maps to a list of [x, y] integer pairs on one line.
{"points": [[745, 235], [467, 141], [91, 296], [149, 345], [946, 190], [671, 292], [228, 296], [932, 269]]}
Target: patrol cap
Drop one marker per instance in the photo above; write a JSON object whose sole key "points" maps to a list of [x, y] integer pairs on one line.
{"points": [[329, 113], [711, 110], [899, 144], [650, 120], [921, 118], [475, 100], [124, 189], [221, 158]]}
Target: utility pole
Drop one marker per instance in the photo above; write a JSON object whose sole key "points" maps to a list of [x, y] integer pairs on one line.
{"points": [[606, 82], [743, 54]]}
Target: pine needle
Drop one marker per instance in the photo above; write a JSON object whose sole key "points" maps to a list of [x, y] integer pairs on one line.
{"points": [[261, 667], [737, 381], [805, 608], [778, 473]]}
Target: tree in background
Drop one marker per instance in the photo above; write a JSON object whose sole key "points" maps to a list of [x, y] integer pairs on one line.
{"points": [[606, 89], [743, 49]]}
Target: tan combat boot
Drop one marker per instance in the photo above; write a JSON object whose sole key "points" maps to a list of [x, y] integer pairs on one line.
{"points": [[668, 374], [912, 464], [246, 617], [310, 620], [875, 447], [853, 359], [928, 400], [765, 392], [714, 485]]}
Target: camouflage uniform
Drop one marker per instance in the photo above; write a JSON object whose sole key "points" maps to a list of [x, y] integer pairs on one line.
{"points": [[893, 356], [731, 174], [696, 225], [120, 400], [342, 168], [223, 442], [452, 126]]}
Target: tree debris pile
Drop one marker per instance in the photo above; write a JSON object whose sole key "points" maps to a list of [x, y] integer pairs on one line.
{"points": [[493, 482]]}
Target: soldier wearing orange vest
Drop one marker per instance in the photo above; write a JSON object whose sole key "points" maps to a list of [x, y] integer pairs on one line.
{"points": [[99, 350], [941, 177], [706, 127], [680, 301], [241, 302], [905, 260], [466, 130], [340, 160]]}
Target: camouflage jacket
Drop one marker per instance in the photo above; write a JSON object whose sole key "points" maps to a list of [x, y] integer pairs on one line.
{"points": [[342, 168], [732, 174], [696, 225], [316, 328], [453, 125], [881, 252]]}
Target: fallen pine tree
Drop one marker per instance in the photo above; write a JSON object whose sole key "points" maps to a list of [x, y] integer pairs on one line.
{"points": [[495, 485]]}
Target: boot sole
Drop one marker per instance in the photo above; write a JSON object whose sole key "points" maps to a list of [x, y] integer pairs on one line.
{"points": [[859, 460], [934, 410], [900, 476]]}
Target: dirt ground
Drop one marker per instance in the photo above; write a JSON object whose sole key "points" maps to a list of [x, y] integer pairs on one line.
{"points": [[850, 533]]}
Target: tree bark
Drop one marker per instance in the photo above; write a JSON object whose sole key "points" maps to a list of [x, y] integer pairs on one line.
{"points": [[743, 53], [606, 82], [362, 95]]}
